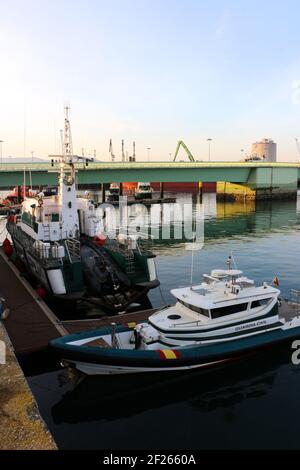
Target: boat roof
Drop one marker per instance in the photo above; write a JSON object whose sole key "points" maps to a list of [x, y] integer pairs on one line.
{"points": [[220, 295]]}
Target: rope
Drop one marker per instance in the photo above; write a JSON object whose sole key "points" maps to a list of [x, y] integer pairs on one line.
{"points": [[161, 294]]}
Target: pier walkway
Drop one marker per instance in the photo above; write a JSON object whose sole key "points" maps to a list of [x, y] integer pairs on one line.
{"points": [[31, 324], [21, 426]]}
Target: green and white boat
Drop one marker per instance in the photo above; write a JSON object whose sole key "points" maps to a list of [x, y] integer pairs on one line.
{"points": [[60, 240], [224, 318]]}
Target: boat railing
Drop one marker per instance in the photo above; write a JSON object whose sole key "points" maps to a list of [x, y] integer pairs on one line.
{"points": [[295, 300], [189, 323]]}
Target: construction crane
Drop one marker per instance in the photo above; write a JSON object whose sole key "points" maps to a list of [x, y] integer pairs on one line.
{"points": [[298, 146], [111, 151], [123, 153], [182, 144]]}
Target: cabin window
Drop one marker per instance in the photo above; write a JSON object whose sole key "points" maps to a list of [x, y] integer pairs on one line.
{"points": [[229, 310], [260, 303], [55, 217], [200, 310]]}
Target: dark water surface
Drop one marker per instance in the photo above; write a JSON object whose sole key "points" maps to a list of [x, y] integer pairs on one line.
{"points": [[254, 403]]}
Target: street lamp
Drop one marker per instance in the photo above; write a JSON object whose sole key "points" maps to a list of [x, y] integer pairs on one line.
{"points": [[1, 142], [148, 148], [242, 154], [32, 152], [209, 142], [170, 155]]}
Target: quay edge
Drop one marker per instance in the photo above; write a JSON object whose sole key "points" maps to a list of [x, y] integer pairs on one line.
{"points": [[21, 425]]}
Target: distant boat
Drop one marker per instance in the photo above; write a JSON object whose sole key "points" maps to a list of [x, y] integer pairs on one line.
{"points": [[113, 193], [143, 191]]}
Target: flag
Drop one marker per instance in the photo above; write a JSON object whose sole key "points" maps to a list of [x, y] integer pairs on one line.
{"points": [[276, 281]]}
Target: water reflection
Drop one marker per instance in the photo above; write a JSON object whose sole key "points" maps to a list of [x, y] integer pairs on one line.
{"points": [[114, 398]]}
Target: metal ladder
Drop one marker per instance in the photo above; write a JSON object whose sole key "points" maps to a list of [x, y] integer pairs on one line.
{"points": [[73, 249], [46, 229]]}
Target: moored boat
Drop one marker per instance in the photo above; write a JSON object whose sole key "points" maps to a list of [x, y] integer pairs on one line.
{"points": [[143, 191], [58, 238], [219, 320], [113, 193]]}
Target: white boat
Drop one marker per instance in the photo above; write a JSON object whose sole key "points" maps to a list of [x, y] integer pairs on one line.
{"points": [[113, 193], [224, 317], [143, 191]]}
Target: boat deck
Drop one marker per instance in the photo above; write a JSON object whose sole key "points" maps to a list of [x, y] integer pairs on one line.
{"points": [[288, 310], [75, 326]]}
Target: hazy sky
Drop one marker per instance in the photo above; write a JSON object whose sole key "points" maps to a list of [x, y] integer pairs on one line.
{"points": [[153, 71]]}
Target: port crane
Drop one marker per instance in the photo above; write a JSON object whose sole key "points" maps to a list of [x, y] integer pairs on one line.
{"points": [[111, 151], [182, 144]]}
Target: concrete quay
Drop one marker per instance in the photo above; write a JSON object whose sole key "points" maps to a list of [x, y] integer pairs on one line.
{"points": [[21, 425]]}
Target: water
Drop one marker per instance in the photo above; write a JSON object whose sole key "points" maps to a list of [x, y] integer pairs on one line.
{"points": [[249, 404]]}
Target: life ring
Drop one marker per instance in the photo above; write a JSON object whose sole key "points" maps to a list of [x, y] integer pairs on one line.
{"points": [[40, 202]]}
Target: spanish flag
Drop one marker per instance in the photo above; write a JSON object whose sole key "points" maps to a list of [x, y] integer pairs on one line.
{"points": [[276, 281]]}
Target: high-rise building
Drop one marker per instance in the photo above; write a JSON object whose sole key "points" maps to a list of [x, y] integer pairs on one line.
{"points": [[264, 150]]}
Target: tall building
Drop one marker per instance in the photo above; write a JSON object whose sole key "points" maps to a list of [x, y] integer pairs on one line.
{"points": [[264, 150]]}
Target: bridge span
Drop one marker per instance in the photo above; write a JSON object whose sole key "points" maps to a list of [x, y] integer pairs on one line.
{"points": [[280, 179]]}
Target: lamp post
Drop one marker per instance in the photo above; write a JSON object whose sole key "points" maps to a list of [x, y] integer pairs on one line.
{"points": [[209, 142], [148, 149], [242, 154], [32, 153], [1, 142]]}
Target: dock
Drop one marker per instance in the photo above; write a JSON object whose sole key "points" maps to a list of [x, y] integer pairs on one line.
{"points": [[31, 324], [21, 425], [146, 202]]}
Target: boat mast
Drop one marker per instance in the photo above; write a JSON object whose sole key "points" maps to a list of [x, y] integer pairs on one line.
{"points": [[67, 188]]}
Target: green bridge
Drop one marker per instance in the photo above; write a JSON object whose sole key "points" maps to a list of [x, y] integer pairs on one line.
{"points": [[279, 178]]}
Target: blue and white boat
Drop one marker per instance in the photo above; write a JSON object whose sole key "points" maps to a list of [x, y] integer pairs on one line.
{"points": [[219, 320]]}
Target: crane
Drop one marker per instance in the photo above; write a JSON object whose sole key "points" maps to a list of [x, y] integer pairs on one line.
{"points": [[111, 151], [182, 144], [298, 146], [123, 153]]}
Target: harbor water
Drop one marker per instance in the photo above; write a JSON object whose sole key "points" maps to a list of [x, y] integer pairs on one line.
{"points": [[251, 403]]}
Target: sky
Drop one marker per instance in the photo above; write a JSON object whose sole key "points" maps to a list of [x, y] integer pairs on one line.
{"points": [[153, 71]]}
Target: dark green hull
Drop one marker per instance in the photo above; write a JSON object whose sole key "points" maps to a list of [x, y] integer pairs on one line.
{"points": [[183, 357]]}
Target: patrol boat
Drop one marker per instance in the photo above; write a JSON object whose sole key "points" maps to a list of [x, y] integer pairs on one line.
{"points": [[224, 317], [59, 239]]}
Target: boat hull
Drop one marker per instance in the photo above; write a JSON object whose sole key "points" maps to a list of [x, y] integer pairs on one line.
{"points": [[103, 361]]}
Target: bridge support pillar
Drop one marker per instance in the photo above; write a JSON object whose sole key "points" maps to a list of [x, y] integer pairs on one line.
{"points": [[103, 193], [161, 190]]}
